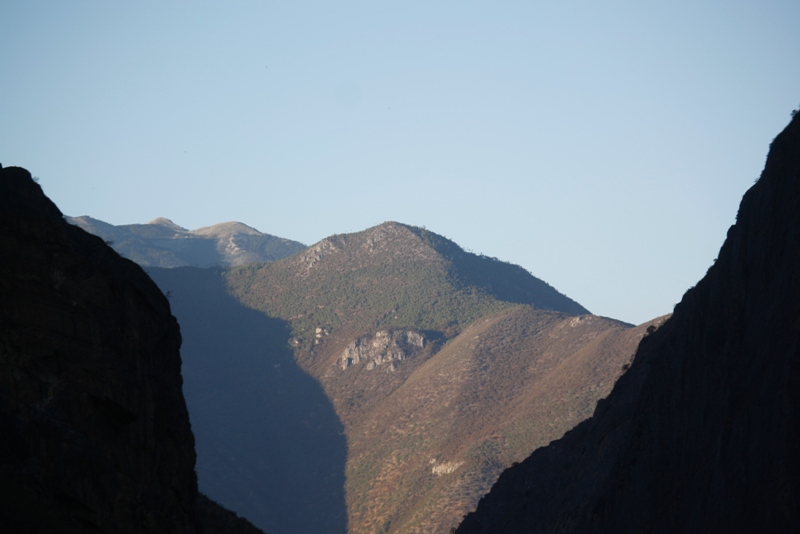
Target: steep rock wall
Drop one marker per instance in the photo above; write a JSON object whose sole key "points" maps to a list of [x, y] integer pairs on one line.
{"points": [[95, 431], [701, 434]]}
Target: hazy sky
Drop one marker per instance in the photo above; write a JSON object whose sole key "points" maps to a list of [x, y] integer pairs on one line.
{"points": [[603, 146]]}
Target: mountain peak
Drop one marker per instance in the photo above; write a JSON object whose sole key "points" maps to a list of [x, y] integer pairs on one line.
{"points": [[381, 246], [162, 243], [227, 228], [394, 255], [398, 240], [163, 221]]}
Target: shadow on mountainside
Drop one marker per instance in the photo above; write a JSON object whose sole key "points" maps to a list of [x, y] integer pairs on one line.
{"points": [[269, 444], [500, 279]]}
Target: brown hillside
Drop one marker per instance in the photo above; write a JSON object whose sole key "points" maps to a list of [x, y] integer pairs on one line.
{"points": [[421, 456]]}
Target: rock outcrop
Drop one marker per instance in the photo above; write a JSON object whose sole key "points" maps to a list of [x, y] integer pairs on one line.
{"points": [[385, 347], [95, 430], [701, 434]]}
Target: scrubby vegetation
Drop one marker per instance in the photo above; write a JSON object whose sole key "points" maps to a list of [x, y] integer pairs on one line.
{"points": [[390, 276], [430, 426]]}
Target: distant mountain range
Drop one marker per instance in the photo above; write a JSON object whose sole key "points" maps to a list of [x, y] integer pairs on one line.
{"points": [[380, 381], [162, 243]]}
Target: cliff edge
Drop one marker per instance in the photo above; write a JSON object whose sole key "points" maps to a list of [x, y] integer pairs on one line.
{"points": [[95, 431], [701, 434]]}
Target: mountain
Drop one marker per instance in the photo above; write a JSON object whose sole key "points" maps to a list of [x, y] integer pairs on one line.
{"points": [[162, 243], [95, 430], [701, 434], [389, 275], [380, 381]]}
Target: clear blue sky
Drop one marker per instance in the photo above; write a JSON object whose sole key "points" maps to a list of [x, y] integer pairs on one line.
{"points": [[603, 146]]}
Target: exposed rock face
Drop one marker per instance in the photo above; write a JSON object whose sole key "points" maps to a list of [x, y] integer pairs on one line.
{"points": [[95, 431], [702, 433], [385, 347]]}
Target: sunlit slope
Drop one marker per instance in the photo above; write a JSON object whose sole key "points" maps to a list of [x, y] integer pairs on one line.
{"points": [[422, 457]]}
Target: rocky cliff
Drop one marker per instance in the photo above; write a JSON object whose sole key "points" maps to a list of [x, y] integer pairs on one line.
{"points": [[701, 434], [95, 431]]}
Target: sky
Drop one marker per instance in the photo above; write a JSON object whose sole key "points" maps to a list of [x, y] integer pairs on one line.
{"points": [[603, 146]]}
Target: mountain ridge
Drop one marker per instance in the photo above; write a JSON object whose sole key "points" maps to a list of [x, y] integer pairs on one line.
{"points": [[163, 243], [378, 273], [471, 269]]}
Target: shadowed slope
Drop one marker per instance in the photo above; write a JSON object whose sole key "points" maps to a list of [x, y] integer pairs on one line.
{"points": [[502, 280], [269, 444], [94, 431], [701, 434]]}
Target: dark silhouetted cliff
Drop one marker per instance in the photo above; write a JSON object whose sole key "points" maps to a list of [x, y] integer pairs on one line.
{"points": [[702, 433], [95, 431]]}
